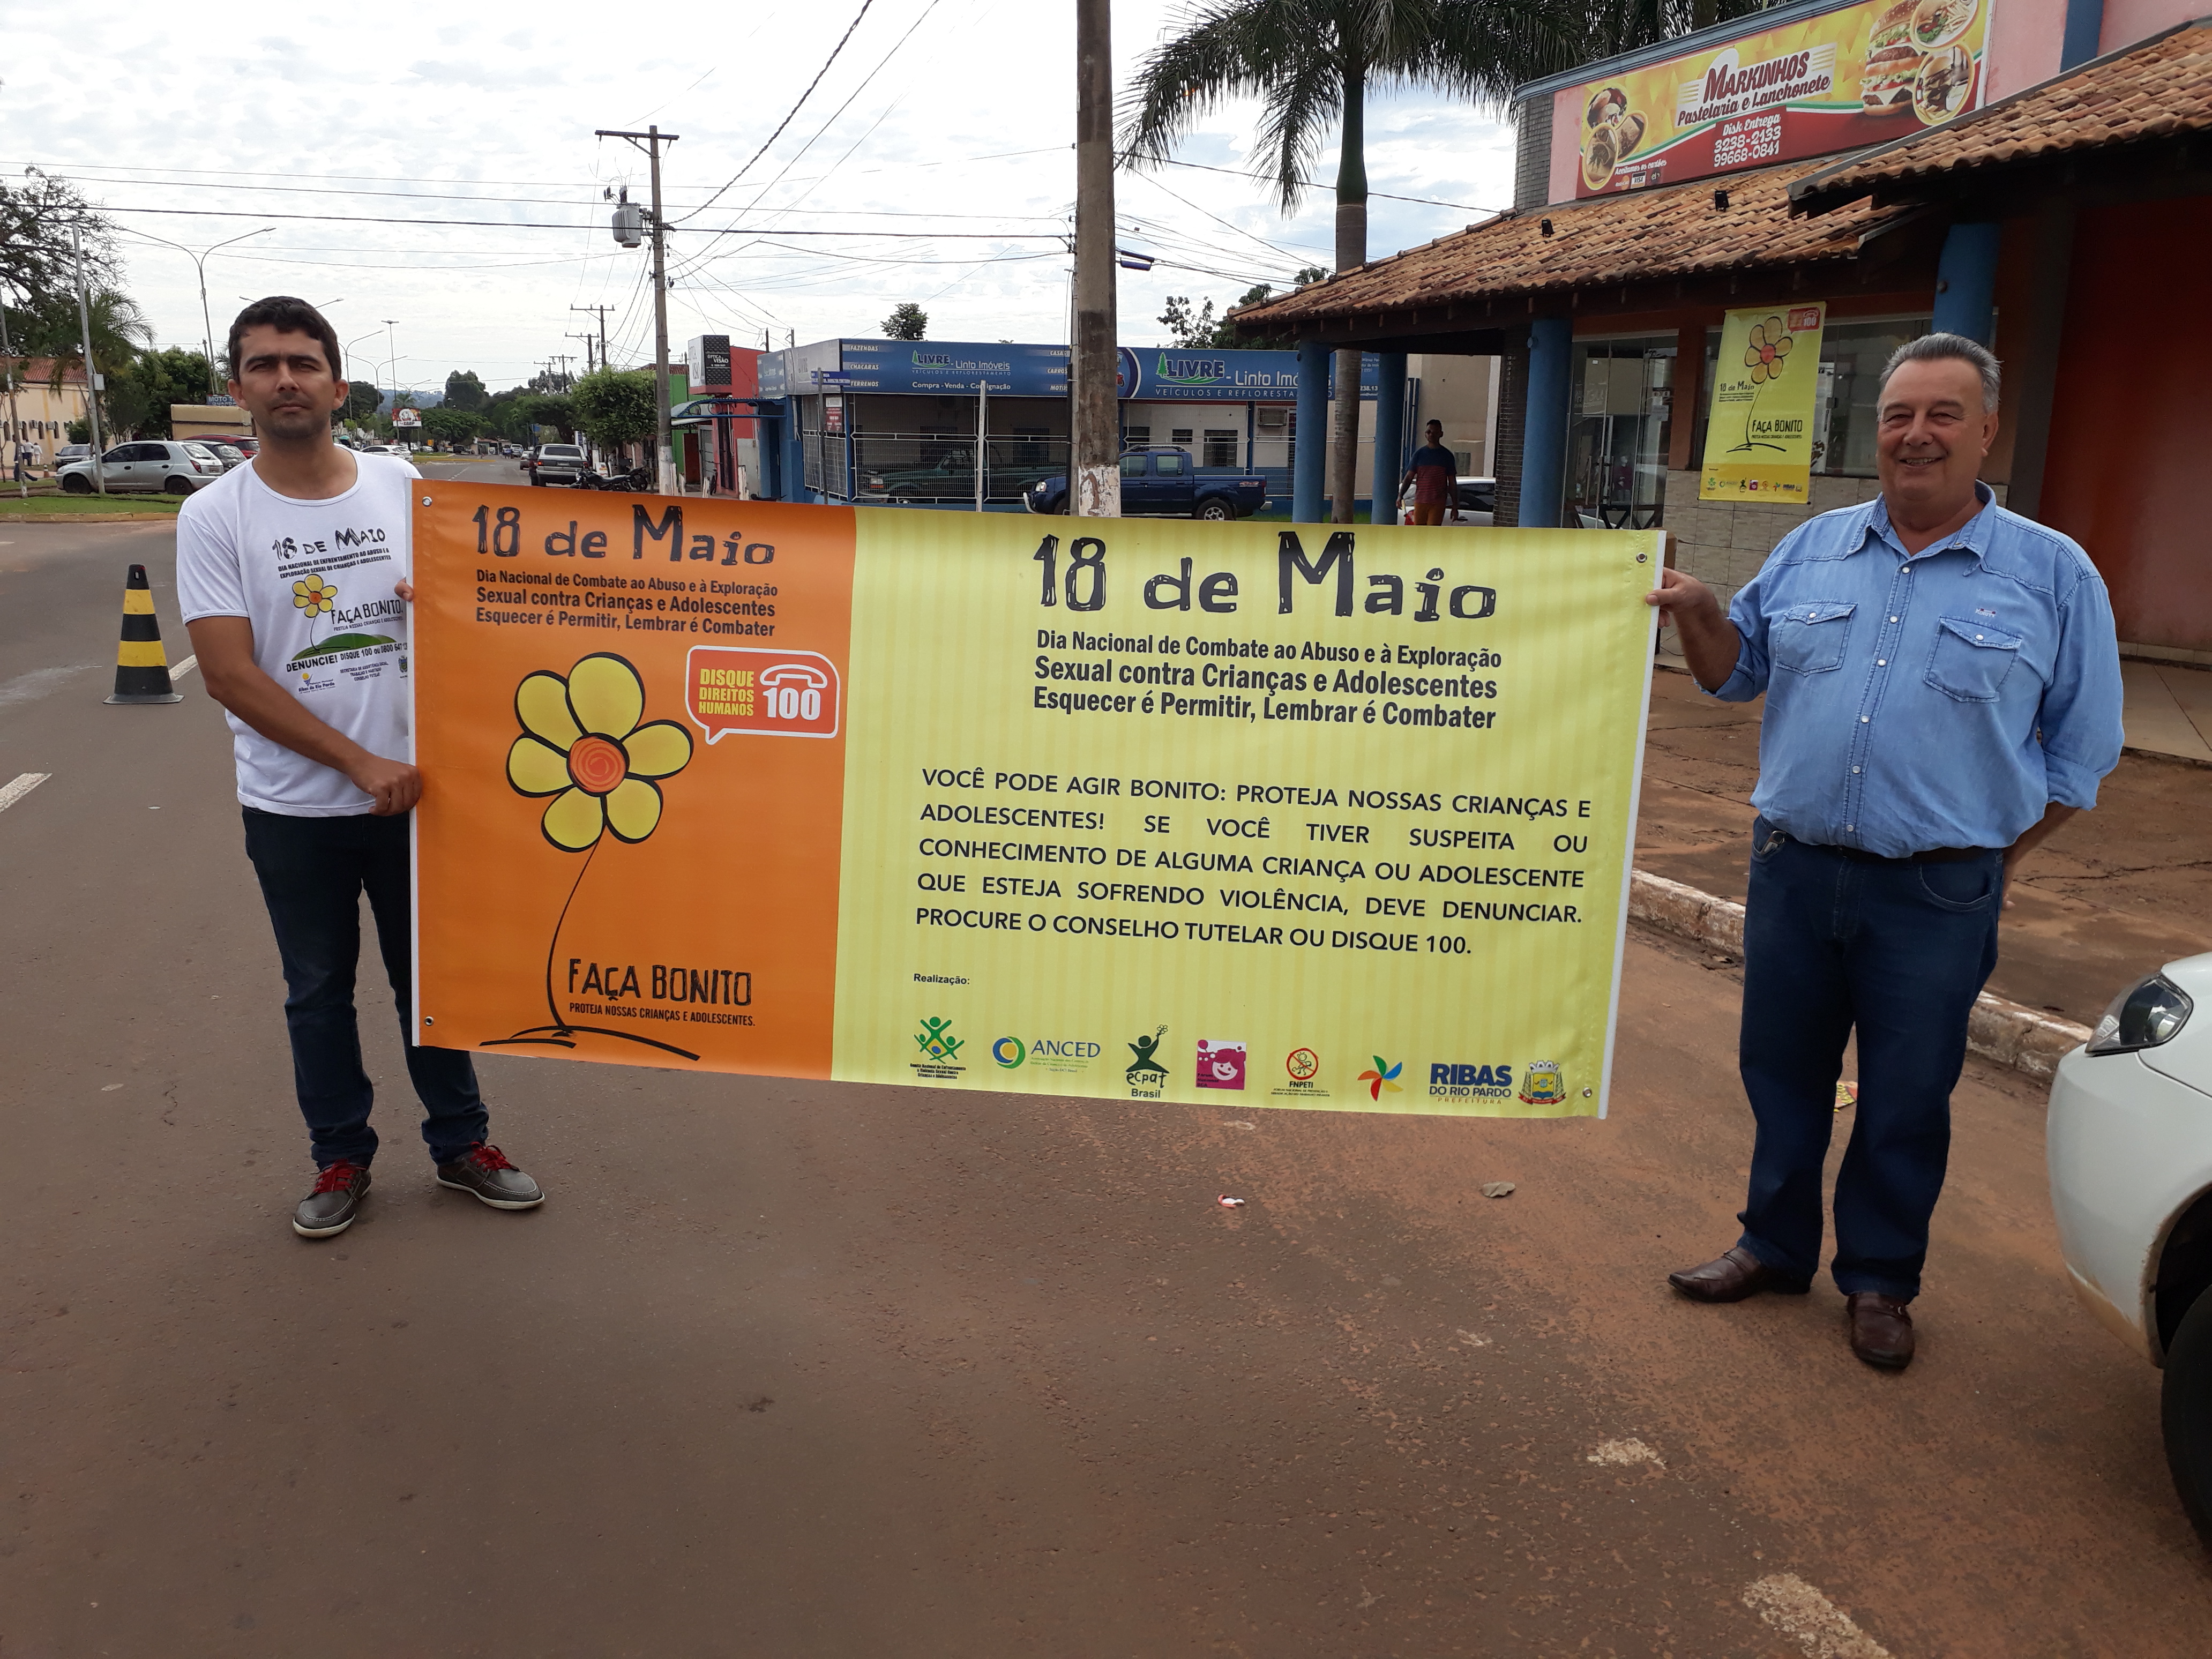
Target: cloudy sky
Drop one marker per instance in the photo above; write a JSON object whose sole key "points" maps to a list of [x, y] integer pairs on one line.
{"points": [[409, 165]]}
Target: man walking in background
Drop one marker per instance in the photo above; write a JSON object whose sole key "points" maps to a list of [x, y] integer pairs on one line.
{"points": [[292, 574], [1434, 474], [1942, 688]]}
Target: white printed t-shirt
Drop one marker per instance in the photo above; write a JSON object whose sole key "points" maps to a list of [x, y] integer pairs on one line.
{"points": [[315, 579]]}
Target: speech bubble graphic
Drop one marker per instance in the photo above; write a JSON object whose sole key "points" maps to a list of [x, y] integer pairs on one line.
{"points": [[766, 692]]}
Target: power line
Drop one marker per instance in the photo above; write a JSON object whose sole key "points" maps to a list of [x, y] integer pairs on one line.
{"points": [[795, 108], [1269, 178], [531, 224]]}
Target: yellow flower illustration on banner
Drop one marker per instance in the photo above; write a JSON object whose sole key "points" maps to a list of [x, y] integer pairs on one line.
{"points": [[1764, 355], [586, 743], [314, 596]]}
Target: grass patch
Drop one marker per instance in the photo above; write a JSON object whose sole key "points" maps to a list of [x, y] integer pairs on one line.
{"points": [[15, 506]]}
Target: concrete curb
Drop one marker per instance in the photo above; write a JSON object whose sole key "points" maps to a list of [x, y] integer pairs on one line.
{"points": [[2026, 1039], [87, 518]]}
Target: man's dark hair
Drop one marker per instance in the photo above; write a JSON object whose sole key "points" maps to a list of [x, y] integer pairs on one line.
{"points": [[287, 316]]}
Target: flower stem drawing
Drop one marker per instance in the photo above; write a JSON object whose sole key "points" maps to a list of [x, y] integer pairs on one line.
{"points": [[1767, 355], [587, 749]]}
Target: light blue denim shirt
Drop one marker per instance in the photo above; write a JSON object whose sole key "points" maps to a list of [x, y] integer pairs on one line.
{"points": [[1942, 699]]}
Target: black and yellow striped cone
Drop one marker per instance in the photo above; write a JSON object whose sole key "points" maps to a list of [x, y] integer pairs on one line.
{"points": [[141, 671]]}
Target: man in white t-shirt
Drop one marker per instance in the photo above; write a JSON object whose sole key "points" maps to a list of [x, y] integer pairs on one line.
{"points": [[292, 571]]}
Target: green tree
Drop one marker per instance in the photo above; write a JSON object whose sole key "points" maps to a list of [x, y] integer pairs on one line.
{"points": [[613, 408], [465, 392], [907, 321], [363, 401], [1193, 330], [450, 426], [50, 328], [37, 261], [139, 399], [1310, 64]]}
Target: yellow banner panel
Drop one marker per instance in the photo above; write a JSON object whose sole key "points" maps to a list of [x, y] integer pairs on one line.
{"points": [[1245, 814], [1759, 436]]}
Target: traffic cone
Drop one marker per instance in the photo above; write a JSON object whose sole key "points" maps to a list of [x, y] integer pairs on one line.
{"points": [[142, 670]]}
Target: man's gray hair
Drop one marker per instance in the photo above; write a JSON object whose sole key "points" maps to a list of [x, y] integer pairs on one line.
{"points": [[1955, 348]]}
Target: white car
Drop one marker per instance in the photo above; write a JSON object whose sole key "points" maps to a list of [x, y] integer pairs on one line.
{"points": [[163, 466], [2130, 1144]]}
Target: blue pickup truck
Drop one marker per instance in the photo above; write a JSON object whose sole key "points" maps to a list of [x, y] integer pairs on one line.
{"points": [[1161, 483]]}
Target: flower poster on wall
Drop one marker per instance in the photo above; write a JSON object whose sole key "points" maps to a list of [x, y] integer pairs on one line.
{"points": [[1759, 436]]}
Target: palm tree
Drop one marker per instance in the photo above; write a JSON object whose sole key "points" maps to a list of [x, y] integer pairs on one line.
{"points": [[119, 332], [1311, 63]]}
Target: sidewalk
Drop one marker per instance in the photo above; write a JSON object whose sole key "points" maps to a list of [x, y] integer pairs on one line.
{"points": [[2115, 894]]}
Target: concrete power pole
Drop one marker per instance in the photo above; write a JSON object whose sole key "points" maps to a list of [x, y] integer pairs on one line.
{"points": [[600, 312], [1095, 487], [7, 370], [91, 374], [1350, 251], [650, 142]]}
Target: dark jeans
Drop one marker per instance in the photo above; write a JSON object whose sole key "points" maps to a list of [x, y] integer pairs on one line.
{"points": [[1899, 950], [313, 872]]}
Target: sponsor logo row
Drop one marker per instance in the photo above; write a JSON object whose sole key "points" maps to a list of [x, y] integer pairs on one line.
{"points": [[1224, 1063]]}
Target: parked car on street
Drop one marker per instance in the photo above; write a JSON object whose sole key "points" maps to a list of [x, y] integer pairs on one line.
{"points": [[68, 452], [951, 476], [2129, 1141], [223, 451], [556, 463], [146, 465], [1163, 484]]}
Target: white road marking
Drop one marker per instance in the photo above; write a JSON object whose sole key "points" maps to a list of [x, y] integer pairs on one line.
{"points": [[23, 784], [1624, 1452], [184, 668], [1822, 1629]]}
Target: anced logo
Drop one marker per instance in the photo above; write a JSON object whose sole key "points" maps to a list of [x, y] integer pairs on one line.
{"points": [[1009, 1051]]}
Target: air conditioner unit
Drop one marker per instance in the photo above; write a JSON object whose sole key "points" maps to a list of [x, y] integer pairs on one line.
{"points": [[1274, 417]]}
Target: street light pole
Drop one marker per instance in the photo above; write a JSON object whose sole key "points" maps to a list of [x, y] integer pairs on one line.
{"points": [[91, 374], [650, 142], [199, 264], [1095, 488]]}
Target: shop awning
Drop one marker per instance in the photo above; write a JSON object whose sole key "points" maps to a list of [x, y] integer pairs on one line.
{"points": [[1657, 248], [2141, 117]]}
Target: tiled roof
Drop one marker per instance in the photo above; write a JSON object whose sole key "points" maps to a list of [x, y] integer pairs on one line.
{"points": [[38, 371], [2158, 88], [1636, 236]]}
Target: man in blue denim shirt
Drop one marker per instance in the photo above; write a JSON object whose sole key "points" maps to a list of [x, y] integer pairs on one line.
{"points": [[1942, 691]]}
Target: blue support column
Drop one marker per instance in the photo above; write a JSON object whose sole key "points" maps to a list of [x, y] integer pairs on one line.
{"points": [[1544, 439], [1966, 282], [1389, 437], [1309, 467], [2084, 30]]}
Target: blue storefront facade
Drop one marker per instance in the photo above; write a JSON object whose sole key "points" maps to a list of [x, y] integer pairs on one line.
{"points": [[896, 421]]}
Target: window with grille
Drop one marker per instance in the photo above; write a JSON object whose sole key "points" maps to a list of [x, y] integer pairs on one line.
{"points": [[1221, 446]]}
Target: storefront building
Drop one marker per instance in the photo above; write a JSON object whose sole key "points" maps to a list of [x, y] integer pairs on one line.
{"points": [[1881, 170], [898, 421]]}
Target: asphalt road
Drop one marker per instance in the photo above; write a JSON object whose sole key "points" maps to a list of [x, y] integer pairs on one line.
{"points": [[791, 1369]]}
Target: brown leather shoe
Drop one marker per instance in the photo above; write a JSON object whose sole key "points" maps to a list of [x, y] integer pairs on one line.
{"points": [[1734, 1275], [1881, 1330]]}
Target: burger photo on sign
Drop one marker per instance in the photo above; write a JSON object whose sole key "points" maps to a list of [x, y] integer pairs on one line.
{"points": [[1892, 62]]}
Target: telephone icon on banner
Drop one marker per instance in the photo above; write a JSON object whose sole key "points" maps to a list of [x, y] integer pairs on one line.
{"points": [[762, 693]]}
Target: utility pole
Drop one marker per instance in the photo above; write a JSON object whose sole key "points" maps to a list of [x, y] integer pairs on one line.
{"points": [[589, 365], [91, 374], [599, 311], [8, 368], [1350, 254], [563, 358], [1094, 488], [650, 142]]}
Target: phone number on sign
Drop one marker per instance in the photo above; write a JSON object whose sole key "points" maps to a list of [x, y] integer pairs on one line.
{"points": [[1748, 140]]}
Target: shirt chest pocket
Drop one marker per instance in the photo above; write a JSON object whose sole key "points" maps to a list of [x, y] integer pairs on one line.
{"points": [[1971, 658], [1808, 637]]}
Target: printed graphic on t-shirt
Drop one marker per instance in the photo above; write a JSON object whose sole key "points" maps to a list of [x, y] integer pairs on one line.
{"points": [[355, 636]]}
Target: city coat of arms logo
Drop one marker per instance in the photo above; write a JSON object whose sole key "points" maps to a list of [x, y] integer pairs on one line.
{"points": [[1543, 1084]]}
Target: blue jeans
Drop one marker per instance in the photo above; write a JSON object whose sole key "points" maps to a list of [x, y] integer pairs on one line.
{"points": [[312, 873], [1900, 952]]}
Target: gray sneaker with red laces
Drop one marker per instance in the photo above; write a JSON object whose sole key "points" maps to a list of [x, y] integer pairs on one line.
{"points": [[335, 1201], [484, 1171]]}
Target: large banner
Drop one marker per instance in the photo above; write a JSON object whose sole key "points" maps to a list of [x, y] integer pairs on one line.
{"points": [[1248, 813], [1855, 75], [1759, 434]]}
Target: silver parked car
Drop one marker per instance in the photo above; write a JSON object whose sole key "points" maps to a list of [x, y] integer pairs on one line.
{"points": [[229, 454], [148, 466]]}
